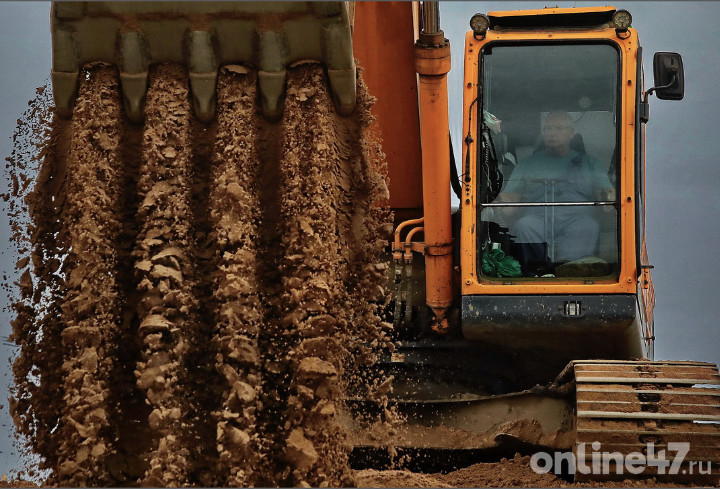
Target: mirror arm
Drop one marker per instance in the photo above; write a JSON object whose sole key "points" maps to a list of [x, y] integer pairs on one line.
{"points": [[651, 90]]}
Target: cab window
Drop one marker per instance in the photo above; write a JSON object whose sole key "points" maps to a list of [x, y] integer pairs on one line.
{"points": [[548, 161]]}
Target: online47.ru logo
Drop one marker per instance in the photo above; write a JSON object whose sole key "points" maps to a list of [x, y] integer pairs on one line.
{"points": [[596, 462]]}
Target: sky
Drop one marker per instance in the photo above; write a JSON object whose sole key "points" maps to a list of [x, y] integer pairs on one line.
{"points": [[683, 171]]}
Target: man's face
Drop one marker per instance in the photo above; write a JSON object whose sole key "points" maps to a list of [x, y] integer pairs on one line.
{"points": [[557, 133]]}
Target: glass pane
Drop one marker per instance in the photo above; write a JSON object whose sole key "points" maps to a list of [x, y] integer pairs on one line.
{"points": [[548, 169]]}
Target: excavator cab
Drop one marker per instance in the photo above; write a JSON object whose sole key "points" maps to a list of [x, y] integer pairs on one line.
{"points": [[563, 222], [558, 107]]}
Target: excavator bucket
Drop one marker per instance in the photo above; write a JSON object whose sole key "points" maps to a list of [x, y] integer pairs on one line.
{"points": [[267, 36]]}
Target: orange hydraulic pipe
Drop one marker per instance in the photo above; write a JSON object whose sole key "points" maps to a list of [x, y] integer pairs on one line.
{"points": [[397, 243], [409, 242], [411, 235], [432, 63], [402, 226]]}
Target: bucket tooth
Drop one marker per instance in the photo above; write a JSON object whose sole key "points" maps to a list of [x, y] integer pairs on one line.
{"points": [[271, 75], [64, 92], [272, 88], [203, 92], [134, 88], [65, 70], [341, 69], [203, 73], [133, 60], [343, 88]]}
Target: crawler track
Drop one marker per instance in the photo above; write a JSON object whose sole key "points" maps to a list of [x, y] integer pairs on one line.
{"points": [[624, 406]]}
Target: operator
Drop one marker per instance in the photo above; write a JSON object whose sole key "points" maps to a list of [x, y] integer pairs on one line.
{"points": [[556, 173]]}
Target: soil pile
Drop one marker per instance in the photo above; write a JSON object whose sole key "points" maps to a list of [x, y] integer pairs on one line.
{"points": [[194, 296], [514, 472]]}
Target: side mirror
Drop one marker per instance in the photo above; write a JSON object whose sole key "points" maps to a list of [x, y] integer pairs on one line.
{"points": [[669, 76]]}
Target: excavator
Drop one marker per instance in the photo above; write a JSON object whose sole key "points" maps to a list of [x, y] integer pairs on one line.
{"points": [[523, 319]]}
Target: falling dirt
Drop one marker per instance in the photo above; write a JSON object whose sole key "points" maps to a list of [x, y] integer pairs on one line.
{"points": [[235, 204], [195, 297]]}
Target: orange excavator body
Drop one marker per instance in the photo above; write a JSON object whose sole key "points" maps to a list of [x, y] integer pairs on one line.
{"points": [[397, 123]]}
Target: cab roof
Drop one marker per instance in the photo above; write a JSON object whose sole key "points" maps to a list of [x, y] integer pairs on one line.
{"points": [[552, 17]]}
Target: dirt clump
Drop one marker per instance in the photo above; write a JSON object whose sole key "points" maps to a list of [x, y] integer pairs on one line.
{"points": [[316, 164], [165, 273], [91, 303], [234, 203]]}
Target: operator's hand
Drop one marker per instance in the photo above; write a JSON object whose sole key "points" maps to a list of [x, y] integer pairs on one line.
{"points": [[608, 195], [508, 212]]}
